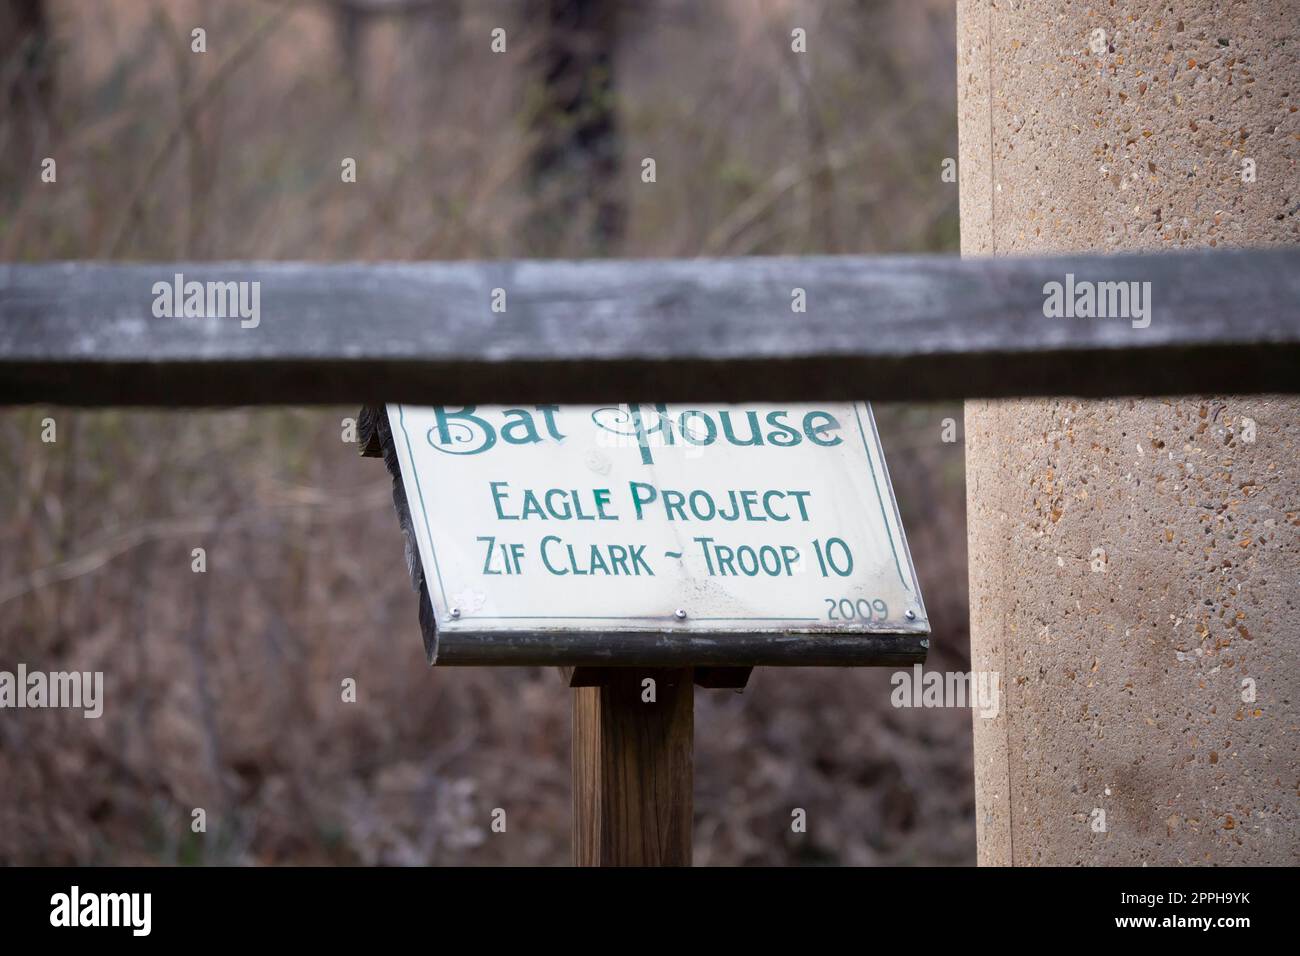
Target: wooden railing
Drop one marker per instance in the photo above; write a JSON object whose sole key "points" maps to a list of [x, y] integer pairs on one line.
{"points": [[883, 328]]}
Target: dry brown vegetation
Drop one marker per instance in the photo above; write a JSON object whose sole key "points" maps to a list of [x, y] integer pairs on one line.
{"points": [[223, 688]]}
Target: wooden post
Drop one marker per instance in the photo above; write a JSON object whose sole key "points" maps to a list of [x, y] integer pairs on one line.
{"points": [[632, 769]]}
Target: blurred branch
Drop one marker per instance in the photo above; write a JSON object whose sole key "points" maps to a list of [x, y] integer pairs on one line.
{"points": [[384, 7], [99, 556], [822, 168], [789, 178], [264, 29], [780, 184]]}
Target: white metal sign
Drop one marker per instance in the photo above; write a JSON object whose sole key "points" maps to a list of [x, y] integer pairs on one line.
{"points": [[753, 518]]}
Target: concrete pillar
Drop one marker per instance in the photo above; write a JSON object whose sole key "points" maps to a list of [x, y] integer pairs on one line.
{"points": [[1134, 564]]}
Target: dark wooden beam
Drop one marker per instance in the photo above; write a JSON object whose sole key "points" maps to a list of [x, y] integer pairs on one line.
{"points": [[588, 649], [723, 678], [905, 328]]}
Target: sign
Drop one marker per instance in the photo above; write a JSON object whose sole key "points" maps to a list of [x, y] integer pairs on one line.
{"points": [[757, 519]]}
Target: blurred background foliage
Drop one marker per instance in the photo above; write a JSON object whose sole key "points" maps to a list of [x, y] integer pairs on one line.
{"points": [[223, 688]]}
